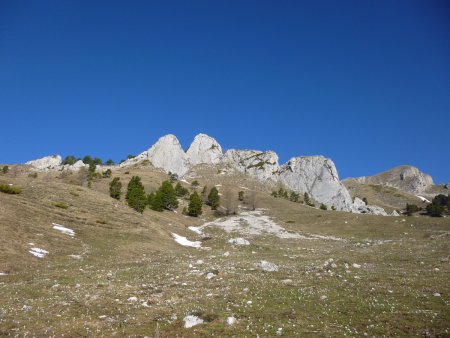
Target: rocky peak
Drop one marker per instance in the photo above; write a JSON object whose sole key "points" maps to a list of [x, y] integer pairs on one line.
{"points": [[204, 149], [167, 154], [317, 176]]}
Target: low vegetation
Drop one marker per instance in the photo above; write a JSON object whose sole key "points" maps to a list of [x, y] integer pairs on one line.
{"points": [[8, 189]]}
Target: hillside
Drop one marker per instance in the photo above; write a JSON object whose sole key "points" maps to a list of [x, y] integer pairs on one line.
{"points": [[330, 273]]}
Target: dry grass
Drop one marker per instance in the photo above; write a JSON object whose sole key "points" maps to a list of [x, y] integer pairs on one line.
{"points": [[82, 287]]}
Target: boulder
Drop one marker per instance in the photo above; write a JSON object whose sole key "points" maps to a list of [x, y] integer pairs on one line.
{"points": [[204, 150], [360, 207]]}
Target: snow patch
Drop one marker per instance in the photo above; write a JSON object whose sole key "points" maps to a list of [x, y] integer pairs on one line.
{"points": [[231, 320], [190, 321], [3, 274], [63, 229], [185, 242], [40, 253], [423, 199], [195, 229]]}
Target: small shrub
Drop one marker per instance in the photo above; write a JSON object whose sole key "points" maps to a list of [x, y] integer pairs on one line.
{"points": [[241, 196], [74, 193], [61, 205], [5, 169], [7, 189], [411, 208], [107, 173], [115, 187], [100, 221], [323, 206], [195, 184], [33, 175], [180, 191], [365, 200]]}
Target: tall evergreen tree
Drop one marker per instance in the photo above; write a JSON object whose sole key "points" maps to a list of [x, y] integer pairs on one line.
{"points": [[195, 205], [135, 196], [180, 191], [155, 201], [213, 198], [168, 195], [115, 187]]}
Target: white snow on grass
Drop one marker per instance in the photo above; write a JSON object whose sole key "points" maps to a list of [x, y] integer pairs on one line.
{"points": [[244, 188], [218, 185], [184, 181], [3, 274], [231, 320], [423, 199], [253, 223], [185, 242], [63, 229], [195, 229], [266, 266], [190, 321], [40, 253]]}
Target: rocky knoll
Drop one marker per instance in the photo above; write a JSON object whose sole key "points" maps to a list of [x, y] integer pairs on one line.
{"points": [[406, 178], [46, 163]]}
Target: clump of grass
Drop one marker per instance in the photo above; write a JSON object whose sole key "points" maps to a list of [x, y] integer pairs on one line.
{"points": [[33, 175], [100, 221], [290, 221], [7, 189], [74, 193], [61, 205]]}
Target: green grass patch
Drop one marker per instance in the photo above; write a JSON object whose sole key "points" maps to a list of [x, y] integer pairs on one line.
{"points": [[8, 189], [61, 205]]}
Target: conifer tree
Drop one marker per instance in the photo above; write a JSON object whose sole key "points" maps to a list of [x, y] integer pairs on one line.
{"points": [[115, 187], [195, 205], [213, 198], [136, 197]]}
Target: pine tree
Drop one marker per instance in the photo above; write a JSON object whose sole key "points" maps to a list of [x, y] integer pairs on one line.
{"points": [[213, 198], [168, 195], [115, 187], [155, 201], [136, 197], [195, 205], [306, 198]]}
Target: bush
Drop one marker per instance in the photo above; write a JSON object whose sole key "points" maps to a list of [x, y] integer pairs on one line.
{"points": [[33, 175], [323, 206], [107, 173], [70, 160], [294, 197], [135, 196], [61, 205], [195, 205], [173, 177], [109, 162], [213, 198], [7, 189], [168, 196], [365, 200], [5, 169], [115, 187], [180, 191], [438, 205], [411, 208], [195, 184], [241, 196]]}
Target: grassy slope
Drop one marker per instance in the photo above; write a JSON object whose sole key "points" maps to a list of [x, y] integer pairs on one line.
{"points": [[403, 264]]}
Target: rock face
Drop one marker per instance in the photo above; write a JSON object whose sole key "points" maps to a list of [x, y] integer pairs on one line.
{"points": [[204, 149], [361, 208], [263, 165], [406, 178], [168, 155], [317, 176], [46, 163]]}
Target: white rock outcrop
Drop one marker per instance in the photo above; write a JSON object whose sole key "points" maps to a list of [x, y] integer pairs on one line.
{"points": [[204, 150], [46, 163], [167, 154], [317, 176], [360, 207], [262, 165]]}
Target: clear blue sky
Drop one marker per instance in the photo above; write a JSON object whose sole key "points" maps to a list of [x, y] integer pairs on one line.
{"points": [[366, 83]]}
